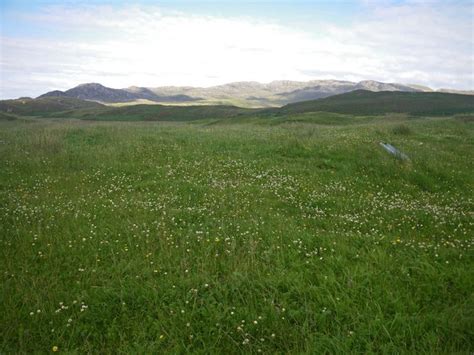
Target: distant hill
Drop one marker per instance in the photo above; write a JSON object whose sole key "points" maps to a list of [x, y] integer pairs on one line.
{"points": [[462, 92], [162, 113], [66, 107], [278, 93], [100, 93], [244, 94], [7, 117], [45, 105], [363, 102], [356, 103], [328, 88]]}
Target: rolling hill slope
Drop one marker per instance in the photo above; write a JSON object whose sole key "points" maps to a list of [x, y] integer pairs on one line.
{"points": [[363, 102], [161, 113], [65, 107], [45, 105], [356, 103]]}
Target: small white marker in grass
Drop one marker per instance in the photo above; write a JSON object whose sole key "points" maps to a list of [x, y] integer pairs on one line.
{"points": [[394, 151]]}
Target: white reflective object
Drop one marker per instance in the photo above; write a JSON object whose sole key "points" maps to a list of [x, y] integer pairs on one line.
{"points": [[394, 151]]}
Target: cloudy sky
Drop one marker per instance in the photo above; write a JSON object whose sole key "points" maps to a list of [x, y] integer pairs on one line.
{"points": [[52, 44]]}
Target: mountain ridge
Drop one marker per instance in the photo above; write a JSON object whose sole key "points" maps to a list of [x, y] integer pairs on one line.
{"points": [[100, 93], [244, 93]]}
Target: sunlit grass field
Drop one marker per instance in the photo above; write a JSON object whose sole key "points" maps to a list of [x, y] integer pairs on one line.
{"points": [[271, 236]]}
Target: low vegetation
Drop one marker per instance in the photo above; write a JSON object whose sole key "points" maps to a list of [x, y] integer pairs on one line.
{"points": [[161, 113], [362, 102], [45, 106], [357, 103], [271, 234]]}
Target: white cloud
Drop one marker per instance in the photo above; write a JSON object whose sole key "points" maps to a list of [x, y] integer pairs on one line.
{"points": [[119, 47]]}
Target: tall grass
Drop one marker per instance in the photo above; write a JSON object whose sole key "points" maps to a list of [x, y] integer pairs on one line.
{"points": [[153, 238]]}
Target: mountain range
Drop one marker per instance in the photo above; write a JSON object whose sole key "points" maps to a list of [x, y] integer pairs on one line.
{"points": [[243, 94], [354, 103]]}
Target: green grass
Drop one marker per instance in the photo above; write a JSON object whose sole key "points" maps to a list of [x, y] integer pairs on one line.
{"points": [[159, 113], [279, 237]]}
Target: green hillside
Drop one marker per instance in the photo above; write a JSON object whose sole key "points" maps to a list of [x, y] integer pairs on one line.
{"points": [[45, 106], [356, 103], [7, 117], [161, 113], [362, 102], [64, 107]]}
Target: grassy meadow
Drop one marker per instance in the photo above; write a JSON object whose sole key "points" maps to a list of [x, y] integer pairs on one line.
{"points": [[273, 235]]}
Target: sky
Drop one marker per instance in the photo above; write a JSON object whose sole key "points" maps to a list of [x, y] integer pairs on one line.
{"points": [[55, 45]]}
